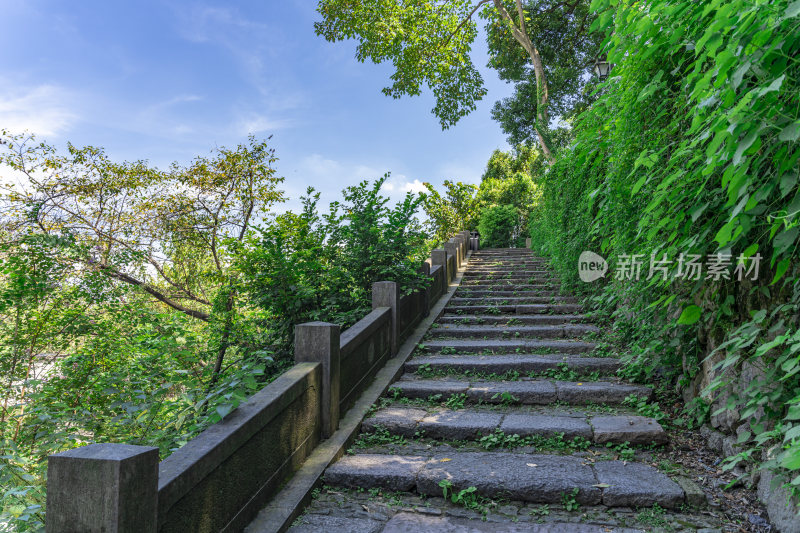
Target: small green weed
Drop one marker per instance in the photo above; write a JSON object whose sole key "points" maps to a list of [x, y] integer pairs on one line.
{"points": [[506, 398], [456, 401], [379, 437], [569, 500], [653, 516]]}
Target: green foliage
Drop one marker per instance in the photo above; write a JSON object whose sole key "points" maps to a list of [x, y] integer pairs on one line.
{"points": [[457, 210], [569, 500], [304, 267], [468, 497], [379, 437], [644, 408], [427, 43], [497, 225], [653, 516], [691, 148], [626, 453], [456, 401], [568, 49], [507, 181], [140, 306]]}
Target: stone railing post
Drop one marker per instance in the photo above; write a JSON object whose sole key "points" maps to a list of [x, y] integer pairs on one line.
{"points": [[439, 257], [465, 235], [426, 270], [387, 294], [318, 342], [528, 242], [110, 488], [452, 249]]}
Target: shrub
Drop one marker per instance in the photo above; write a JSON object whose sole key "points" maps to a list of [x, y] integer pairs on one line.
{"points": [[497, 225]]}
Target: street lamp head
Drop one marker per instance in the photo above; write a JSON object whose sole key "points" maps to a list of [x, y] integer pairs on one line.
{"points": [[601, 68]]}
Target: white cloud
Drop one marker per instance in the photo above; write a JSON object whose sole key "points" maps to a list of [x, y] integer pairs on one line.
{"points": [[261, 123], [43, 110], [398, 185], [331, 176]]}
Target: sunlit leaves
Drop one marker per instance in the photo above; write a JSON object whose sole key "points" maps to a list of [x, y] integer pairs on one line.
{"points": [[428, 43]]}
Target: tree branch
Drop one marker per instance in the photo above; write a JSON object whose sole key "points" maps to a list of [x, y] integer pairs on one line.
{"points": [[463, 22], [121, 276]]}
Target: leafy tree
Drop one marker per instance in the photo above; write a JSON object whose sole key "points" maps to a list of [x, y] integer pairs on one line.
{"points": [[429, 43], [508, 181], [165, 232], [457, 210], [568, 53], [497, 226], [302, 267]]}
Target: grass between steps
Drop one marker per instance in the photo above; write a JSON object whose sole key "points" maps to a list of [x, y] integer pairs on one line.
{"points": [[601, 349], [561, 373], [381, 437]]}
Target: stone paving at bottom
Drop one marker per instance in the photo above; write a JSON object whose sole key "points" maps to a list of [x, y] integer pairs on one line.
{"points": [[338, 510]]}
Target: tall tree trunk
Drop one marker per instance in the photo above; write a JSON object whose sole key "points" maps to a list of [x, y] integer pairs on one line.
{"points": [[542, 94]]}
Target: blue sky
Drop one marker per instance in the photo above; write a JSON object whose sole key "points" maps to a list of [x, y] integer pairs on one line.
{"points": [[165, 81]]}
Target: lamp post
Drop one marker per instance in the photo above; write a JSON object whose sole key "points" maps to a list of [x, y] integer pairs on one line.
{"points": [[601, 68]]}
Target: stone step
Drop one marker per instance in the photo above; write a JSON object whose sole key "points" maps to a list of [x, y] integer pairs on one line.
{"points": [[467, 424], [506, 266], [536, 274], [468, 292], [535, 478], [508, 346], [516, 284], [478, 260], [423, 522], [514, 300], [516, 319], [522, 363], [523, 309], [564, 331], [407, 522], [534, 392]]}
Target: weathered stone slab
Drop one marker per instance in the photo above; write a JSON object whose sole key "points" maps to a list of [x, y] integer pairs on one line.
{"points": [[425, 388], [693, 493], [397, 420], [543, 331], [526, 392], [419, 523], [637, 485], [522, 363], [314, 523], [392, 472], [525, 319], [632, 429], [459, 425], [560, 346], [547, 426], [532, 478], [546, 308], [599, 392], [475, 345], [510, 346]]}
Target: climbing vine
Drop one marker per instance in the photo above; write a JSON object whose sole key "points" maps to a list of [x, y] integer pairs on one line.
{"points": [[691, 148]]}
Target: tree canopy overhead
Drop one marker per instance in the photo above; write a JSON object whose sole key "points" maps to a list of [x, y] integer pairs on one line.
{"points": [[429, 43]]}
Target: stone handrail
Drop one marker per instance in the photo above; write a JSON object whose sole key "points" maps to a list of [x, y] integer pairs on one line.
{"points": [[220, 479]]}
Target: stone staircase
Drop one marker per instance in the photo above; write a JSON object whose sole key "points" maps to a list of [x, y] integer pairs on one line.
{"points": [[507, 399]]}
